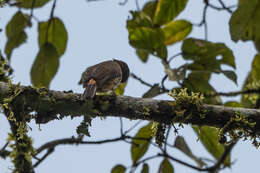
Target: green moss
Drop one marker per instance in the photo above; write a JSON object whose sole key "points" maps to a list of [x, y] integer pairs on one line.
{"points": [[184, 98], [239, 127], [146, 110], [252, 97], [5, 69], [186, 105], [20, 143], [154, 127]]}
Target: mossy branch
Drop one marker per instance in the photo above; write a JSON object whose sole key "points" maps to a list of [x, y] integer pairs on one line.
{"points": [[46, 105]]}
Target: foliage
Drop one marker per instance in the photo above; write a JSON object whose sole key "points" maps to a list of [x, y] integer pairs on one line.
{"points": [[15, 32], [166, 167], [209, 138], [140, 147], [152, 31]]}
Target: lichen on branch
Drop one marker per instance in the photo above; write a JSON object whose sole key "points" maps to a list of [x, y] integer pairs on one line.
{"points": [[46, 105]]}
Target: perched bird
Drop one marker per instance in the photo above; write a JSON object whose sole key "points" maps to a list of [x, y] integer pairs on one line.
{"points": [[104, 77]]}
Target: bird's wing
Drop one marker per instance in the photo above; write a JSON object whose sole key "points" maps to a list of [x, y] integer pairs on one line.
{"points": [[106, 72], [102, 73]]}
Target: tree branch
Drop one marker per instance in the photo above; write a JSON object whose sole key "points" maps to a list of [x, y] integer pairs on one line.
{"points": [[3, 152], [223, 158], [76, 141], [48, 105], [232, 94], [49, 151]]}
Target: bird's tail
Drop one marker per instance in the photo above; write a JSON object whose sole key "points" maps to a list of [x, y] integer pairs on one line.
{"points": [[90, 90]]}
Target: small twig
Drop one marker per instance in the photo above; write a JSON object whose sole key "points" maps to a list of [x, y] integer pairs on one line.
{"points": [[207, 160], [3, 151], [181, 162], [132, 127], [137, 5], [208, 169], [50, 150], [35, 18], [235, 93], [93, 0], [36, 158], [4, 147], [204, 21], [50, 146], [163, 90], [206, 30], [52, 9], [146, 159], [224, 156], [123, 3], [131, 142], [215, 7], [224, 6], [51, 17], [174, 56], [175, 129], [31, 14], [141, 80], [77, 141], [166, 139], [121, 126], [73, 140], [162, 83]]}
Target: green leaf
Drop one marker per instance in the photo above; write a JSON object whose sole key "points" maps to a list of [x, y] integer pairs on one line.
{"points": [[139, 19], [17, 24], [149, 39], [57, 34], [257, 45], [149, 8], [198, 82], [209, 138], [181, 144], [118, 169], [139, 147], [45, 66], [233, 104], [167, 10], [142, 54], [176, 31], [29, 3], [256, 67], [144, 37], [252, 82], [244, 23], [145, 168], [14, 42], [120, 89], [231, 75], [152, 92], [166, 167], [15, 32], [246, 99], [204, 54]]}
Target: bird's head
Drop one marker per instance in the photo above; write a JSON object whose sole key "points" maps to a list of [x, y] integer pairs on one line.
{"points": [[125, 70]]}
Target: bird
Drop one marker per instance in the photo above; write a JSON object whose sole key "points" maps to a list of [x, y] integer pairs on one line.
{"points": [[103, 77]]}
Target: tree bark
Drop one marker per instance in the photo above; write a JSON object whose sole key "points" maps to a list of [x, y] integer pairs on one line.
{"points": [[46, 105]]}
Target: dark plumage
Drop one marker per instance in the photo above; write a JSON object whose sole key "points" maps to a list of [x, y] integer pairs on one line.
{"points": [[103, 77]]}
